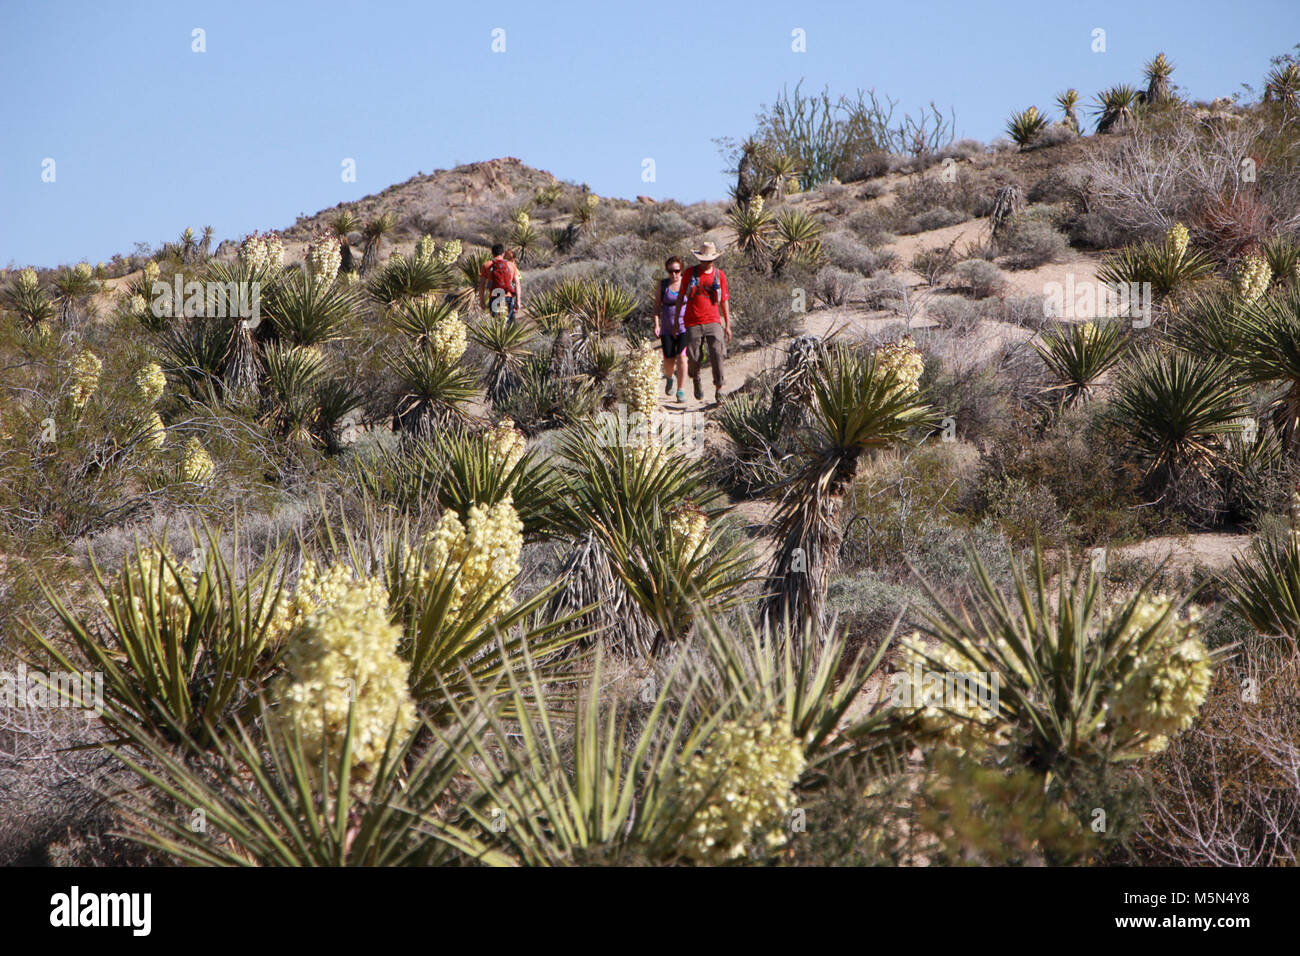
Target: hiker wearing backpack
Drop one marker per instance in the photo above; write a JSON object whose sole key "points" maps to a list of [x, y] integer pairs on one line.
{"points": [[669, 328], [705, 308], [498, 284]]}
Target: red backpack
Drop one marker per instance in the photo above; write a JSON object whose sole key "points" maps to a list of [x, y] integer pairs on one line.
{"points": [[714, 289], [501, 275]]}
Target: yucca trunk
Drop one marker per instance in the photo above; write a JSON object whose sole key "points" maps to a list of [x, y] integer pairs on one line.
{"points": [[591, 582], [1158, 90], [239, 373]]}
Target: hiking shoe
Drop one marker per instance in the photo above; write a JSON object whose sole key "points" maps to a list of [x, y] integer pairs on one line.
{"points": [[699, 391], [681, 397], [668, 384]]}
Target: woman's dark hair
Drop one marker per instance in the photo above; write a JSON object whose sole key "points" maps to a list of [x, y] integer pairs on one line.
{"points": [[510, 255], [498, 249], [671, 259]]}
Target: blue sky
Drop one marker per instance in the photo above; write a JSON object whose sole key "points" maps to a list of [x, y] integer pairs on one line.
{"points": [[149, 137]]}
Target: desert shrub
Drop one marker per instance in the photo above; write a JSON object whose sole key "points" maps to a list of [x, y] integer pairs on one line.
{"points": [[844, 251], [762, 307], [978, 277], [1056, 134], [884, 292], [836, 286], [868, 165], [1024, 511], [956, 315], [657, 223], [1029, 244], [706, 216], [962, 149], [971, 394], [939, 217], [934, 264], [1025, 311], [872, 226]]}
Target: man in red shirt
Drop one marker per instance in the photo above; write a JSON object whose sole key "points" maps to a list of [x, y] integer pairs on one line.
{"points": [[708, 317]]}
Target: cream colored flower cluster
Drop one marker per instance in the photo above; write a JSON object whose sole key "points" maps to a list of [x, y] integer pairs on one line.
{"points": [[317, 589], [150, 382], [449, 253], [1251, 278], [27, 281], [904, 360], [944, 708], [1178, 237], [425, 248], [262, 251], [449, 338], [688, 524], [324, 256], [136, 305], [522, 219], [638, 383], [85, 377], [155, 432], [1161, 690], [756, 206], [592, 201], [485, 548], [151, 272], [344, 657], [83, 271], [743, 778], [506, 444], [197, 464]]}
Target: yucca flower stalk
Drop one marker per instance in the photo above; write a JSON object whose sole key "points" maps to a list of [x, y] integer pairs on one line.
{"points": [[1079, 354], [324, 257], [86, 369], [1250, 278]]}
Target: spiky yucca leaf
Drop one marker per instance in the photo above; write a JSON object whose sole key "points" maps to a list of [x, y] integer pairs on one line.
{"points": [[1207, 323], [1079, 354], [469, 474], [419, 318], [798, 239], [1115, 107], [194, 350], [1269, 332], [403, 278], [1282, 253]]}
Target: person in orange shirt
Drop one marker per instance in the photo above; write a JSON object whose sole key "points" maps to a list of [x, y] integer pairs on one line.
{"points": [[499, 284]]}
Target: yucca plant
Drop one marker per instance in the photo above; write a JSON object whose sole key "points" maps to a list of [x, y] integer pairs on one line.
{"points": [[1207, 323], [294, 376], [181, 653], [342, 224], [543, 399], [1282, 253], [603, 308], [1269, 332], [754, 430], [433, 393], [466, 274], [597, 786], [781, 170], [1157, 73], [309, 313], [1265, 588], [1024, 126], [797, 239], [615, 497], [1177, 410], [1115, 108], [1069, 674], [239, 285], [72, 289], [336, 400], [857, 408], [274, 806], [1162, 264], [403, 278], [26, 296], [507, 345], [420, 318], [1079, 354], [194, 351], [1068, 103], [373, 233], [469, 473], [524, 238], [754, 227], [1282, 85], [556, 308]]}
